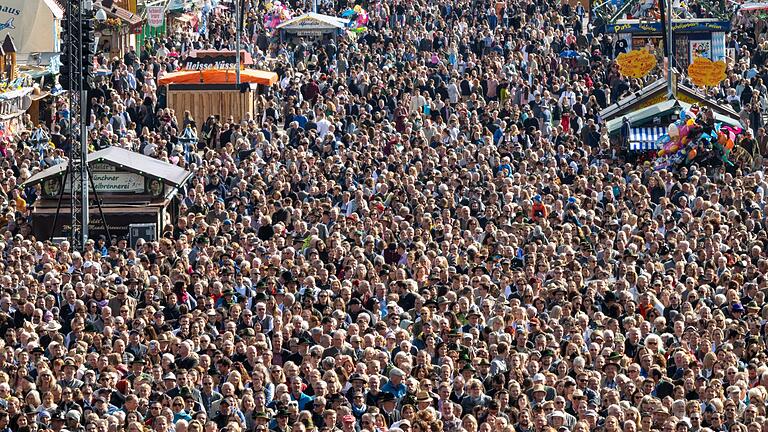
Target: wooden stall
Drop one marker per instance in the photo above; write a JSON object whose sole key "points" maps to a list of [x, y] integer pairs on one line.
{"points": [[203, 101], [133, 188], [213, 92]]}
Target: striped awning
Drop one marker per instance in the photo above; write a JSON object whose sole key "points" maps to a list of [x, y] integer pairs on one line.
{"points": [[644, 139]]}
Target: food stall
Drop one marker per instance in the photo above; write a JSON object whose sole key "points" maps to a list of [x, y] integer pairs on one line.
{"points": [[207, 92], [133, 189], [312, 26], [118, 33]]}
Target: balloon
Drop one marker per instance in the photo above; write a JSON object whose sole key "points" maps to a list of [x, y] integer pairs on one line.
{"points": [[358, 9], [348, 12], [692, 154], [684, 140], [661, 152], [729, 145], [360, 29], [721, 139], [674, 148], [684, 131], [683, 115], [731, 136], [690, 122], [673, 131]]}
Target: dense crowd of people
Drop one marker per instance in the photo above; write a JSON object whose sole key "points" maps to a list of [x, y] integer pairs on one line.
{"points": [[423, 228]]}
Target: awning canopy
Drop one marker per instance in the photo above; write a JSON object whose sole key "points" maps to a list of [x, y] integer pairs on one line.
{"points": [[753, 7], [314, 22], [218, 76], [643, 139], [131, 161], [124, 15]]}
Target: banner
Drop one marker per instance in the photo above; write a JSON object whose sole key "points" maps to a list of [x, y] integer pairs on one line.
{"points": [[706, 73], [636, 63], [155, 16]]}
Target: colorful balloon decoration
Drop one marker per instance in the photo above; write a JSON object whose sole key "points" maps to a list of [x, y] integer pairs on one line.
{"points": [[689, 139], [275, 14], [358, 19]]}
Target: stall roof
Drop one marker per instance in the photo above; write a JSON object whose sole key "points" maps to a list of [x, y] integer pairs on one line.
{"points": [[124, 15], [658, 109], [655, 88], [131, 161], [218, 76], [314, 21]]}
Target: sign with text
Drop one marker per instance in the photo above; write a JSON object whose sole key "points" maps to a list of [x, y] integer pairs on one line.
{"points": [[210, 62], [636, 63], [115, 182], [706, 73], [155, 16]]}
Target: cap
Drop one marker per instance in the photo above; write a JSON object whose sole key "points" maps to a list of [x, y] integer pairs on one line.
{"points": [[169, 376]]}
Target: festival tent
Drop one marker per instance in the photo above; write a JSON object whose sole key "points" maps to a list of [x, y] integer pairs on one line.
{"points": [[33, 25], [217, 76]]}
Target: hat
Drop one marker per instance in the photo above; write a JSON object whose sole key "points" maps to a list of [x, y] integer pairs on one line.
{"points": [[660, 410], [349, 418], [282, 413], [73, 415], [69, 361], [169, 376], [396, 372], [386, 397], [52, 326], [613, 360], [423, 396], [737, 307], [260, 415], [590, 413], [578, 394], [357, 377], [558, 414], [539, 388]]}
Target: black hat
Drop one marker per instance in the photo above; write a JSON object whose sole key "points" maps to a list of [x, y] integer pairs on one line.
{"points": [[386, 397]]}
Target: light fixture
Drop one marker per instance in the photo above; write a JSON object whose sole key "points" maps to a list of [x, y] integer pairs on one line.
{"points": [[101, 15]]}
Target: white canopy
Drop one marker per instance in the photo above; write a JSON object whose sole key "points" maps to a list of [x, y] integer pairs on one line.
{"points": [[314, 22]]}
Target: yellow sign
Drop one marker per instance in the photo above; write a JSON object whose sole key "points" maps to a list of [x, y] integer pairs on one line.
{"points": [[706, 73], [636, 63]]}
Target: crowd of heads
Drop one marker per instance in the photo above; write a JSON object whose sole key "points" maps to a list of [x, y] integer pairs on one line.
{"points": [[423, 227]]}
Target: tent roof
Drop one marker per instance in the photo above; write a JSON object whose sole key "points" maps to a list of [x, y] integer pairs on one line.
{"points": [[218, 76], [651, 89], [8, 45], [131, 161], [124, 15], [314, 20], [658, 109], [56, 10]]}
